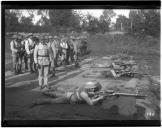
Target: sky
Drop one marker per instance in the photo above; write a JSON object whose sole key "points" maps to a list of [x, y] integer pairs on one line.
{"points": [[94, 12], [98, 12]]}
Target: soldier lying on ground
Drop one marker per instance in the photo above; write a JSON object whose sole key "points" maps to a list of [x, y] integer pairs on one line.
{"points": [[84, 94]]}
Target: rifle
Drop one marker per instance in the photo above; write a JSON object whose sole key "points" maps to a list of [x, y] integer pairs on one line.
{"points": [[109, 93]]}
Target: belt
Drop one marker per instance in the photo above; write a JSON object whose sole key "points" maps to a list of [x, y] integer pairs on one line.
{"points": [[43, 55]]}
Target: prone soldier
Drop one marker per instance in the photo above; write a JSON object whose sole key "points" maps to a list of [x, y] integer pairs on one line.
{"points": [[84, 94]]}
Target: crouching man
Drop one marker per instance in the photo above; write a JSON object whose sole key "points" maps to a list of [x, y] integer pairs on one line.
{"points": [[84, 94]]}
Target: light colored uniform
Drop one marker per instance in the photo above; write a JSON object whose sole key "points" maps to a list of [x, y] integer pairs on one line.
{"points": [[64, 48], [15, 48], [55, 51], [29, 47], [42, 57], [76, 50]]}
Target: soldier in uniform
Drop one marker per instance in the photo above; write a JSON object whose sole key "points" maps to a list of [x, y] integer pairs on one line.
{"points": [[57, 50], [75, 42], [84, 94], [29, 47], [64, 47], [15, 46], [42, 59]]}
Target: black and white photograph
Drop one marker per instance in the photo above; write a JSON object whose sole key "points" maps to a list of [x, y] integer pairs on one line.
{"points": [[81, 64]]}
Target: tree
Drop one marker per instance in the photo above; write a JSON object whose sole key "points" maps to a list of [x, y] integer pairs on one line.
{"points": [[11, 21], [122, 23], [145, 21], [108, 14]]}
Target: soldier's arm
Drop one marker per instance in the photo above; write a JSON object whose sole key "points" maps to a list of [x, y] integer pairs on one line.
{"points": [[27, 47], [12, 47], [36, 54], [90, 101]]}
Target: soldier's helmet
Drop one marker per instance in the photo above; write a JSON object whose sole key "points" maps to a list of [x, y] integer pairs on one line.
{"points": [[93, 85], [41, 38], [72, 37], [50, 37], [55, 37]]}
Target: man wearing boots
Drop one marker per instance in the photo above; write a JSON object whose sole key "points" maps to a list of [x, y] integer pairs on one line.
{"points": [[42, 59], [29, 47], [15, 46]]}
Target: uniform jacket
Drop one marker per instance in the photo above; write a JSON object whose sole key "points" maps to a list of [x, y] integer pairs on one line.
{"points": [[54, 45], [29, 46], [15, 47], [42, 54], [63, 45]]}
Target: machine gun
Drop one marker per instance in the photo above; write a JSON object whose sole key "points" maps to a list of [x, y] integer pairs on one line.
{"points": [[109, 93]]}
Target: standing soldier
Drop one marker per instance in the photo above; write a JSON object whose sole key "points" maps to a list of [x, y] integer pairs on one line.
{"points": [[75, 42], [57, 49], [64, 47], [15, 46], [24, 54], [42, 59], [54, 46], [29, 47]]}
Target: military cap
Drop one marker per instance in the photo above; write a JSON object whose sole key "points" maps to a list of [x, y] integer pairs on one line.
{"points": [[14, 36], [72, 37], [41, 38], [55, 37], [19, 37], [93, 84], [50, 37]]}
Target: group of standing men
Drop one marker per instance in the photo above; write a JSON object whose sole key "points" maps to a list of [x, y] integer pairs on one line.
{"points": [[43, 54]]}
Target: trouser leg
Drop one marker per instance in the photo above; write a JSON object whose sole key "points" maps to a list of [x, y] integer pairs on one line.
{"points": [[54, 94], [19, 63], [53, 67], [67, 57], [14, 63], [26, 62], [61, 100], [31, 62], [76, 58], [40, 77], [56, 60], [46, 75]]}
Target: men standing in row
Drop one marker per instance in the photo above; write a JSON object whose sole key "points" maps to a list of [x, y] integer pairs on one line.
{"points": [[42, 58], [29, 47], [15, 46]]}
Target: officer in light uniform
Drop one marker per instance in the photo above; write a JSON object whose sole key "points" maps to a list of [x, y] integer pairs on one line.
{"points": [[42, 59], [29, 47], [15, 47]]}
